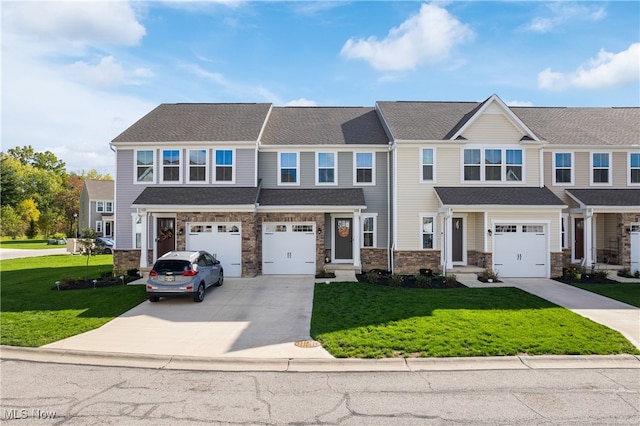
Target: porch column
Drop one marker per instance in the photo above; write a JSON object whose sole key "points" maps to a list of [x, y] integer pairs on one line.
{"points": [[588, 237], [448, 239], [144, 240], [356, 239]]}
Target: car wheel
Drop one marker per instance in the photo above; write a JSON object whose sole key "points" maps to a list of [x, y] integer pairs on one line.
{"points": [[199, 296], [153, 298], [108, 251], [220, 279]]}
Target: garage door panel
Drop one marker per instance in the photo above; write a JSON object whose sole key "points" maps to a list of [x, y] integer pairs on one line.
{"points": [[520, 250], [223, 240], [288, 248]]}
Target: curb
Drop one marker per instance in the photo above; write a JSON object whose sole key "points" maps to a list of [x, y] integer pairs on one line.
{"points": [[179, 362]]}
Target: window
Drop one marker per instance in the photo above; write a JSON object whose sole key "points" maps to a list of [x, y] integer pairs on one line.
{"points": [[427, 165], [471, 164], [224, 165], [144, 166], [514, 165], [302, 228], [562, 162], [506, 228], [137, 230], [369, 230], [500, 165], [170, 165], [104, 206], [634, 168], [288, 166], [600, 168], [98, 226], [427, 231], [364, 168], [326, 170], [536, 229], [198, 166]]}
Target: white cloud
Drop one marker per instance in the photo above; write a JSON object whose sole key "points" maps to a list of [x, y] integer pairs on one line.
{"points": [[428, 36], [519, 103], [107, 72], [562, 13], [606, 70], [301, 102]]}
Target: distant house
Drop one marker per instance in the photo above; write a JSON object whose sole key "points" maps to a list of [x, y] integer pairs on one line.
{"points": [[97, 207], [401, 186]]}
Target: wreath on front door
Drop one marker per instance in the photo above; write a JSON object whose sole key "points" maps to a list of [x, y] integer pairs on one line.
{"points": [[165, 234]]}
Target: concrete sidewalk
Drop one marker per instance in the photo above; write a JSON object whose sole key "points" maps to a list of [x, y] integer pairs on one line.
{"points": [[9, 253], [616, 315]]}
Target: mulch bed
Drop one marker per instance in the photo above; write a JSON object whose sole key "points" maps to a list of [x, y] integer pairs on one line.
{"points": [[586, 279], [409, 281]]}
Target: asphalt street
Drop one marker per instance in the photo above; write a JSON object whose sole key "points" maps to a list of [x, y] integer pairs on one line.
{"points": [[44, 394]]}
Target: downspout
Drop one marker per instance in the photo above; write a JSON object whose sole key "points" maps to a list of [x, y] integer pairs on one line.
{"points": [[541, 165], [389, 242]]}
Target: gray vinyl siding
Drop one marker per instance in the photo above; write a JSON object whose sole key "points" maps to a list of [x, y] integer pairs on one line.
{"points": [[268, 169], [246, 167], [377, 199], [126, 192]]}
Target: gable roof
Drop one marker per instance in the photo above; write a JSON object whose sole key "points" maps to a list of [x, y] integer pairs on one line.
{"points": [[99, 189], [607, 197], [198, 122], [583, 126], [324, 126], [497, 196]]}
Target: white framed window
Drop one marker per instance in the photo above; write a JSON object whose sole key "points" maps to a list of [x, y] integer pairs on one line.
{"points": [[563, 168], [171, 166], [145, 166], [364, 165], [600, 168], [326, 170], [634, 168], [427, 231], [198, 166], [98, 226], [104, 206], [288, 166], [492, 165], [369, 225], [224, 167], [427, 162], [564, 231], [137, 230]]}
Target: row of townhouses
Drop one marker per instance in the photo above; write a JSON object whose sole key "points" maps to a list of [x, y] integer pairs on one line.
{"points": [[399, 186]]}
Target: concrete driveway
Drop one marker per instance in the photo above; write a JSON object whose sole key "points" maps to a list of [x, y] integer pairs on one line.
{"points": [[262, 317]]}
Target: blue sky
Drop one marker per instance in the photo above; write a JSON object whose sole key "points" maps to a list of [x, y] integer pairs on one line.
{"points": [[77, 73]]}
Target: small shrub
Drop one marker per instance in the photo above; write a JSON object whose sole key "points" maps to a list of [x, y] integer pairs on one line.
{"points": [[450, 281], [373, 277], [59, 236], [427, 272], [488, 274], [133, 272], [573, 273], [601, 275], [68, 281], [423, 281], [396, 280], [106, 274], [624, 272]]}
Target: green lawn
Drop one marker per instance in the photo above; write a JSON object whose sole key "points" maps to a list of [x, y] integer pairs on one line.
{"points": [[28, 244], [367, 321], [32, 314], [624, 292]]}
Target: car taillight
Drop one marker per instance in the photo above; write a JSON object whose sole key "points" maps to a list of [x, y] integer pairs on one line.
{"points": [[153, 273], [190, 273]]}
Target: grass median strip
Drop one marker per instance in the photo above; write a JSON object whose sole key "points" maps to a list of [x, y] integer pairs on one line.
{"points": [[367, 321], [32, 314]]}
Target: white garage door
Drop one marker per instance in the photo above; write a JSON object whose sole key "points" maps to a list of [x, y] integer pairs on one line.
{"points": [[223, 240], [288, 248], [635, 247], [520, 250]]}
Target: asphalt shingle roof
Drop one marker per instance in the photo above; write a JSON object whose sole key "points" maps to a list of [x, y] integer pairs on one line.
{"points": [[196, 196], [312, 197], [324, 126], [608, 197], [199, 122], [99, 189], [509, 196]]}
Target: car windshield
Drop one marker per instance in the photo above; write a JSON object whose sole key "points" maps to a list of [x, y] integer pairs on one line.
{"points": [[174, 266]]}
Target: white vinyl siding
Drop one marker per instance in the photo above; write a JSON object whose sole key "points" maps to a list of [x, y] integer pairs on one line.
{"points": [[492, 129]]}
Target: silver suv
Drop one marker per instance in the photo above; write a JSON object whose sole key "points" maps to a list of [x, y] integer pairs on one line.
{"points": [[184, 273]]}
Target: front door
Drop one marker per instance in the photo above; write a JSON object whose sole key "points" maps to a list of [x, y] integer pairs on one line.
{"points": [[166, 237], [578, 233], [108, 228], [457, 254], [343, 239]]}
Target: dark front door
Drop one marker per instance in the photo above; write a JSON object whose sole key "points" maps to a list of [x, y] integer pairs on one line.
{"points": [[166, 236], [344, 239], [456, 233], [579, 238]]}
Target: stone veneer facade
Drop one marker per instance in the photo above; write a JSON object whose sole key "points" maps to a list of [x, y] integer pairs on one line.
{"points": [[409, 262], [374, 258]]}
